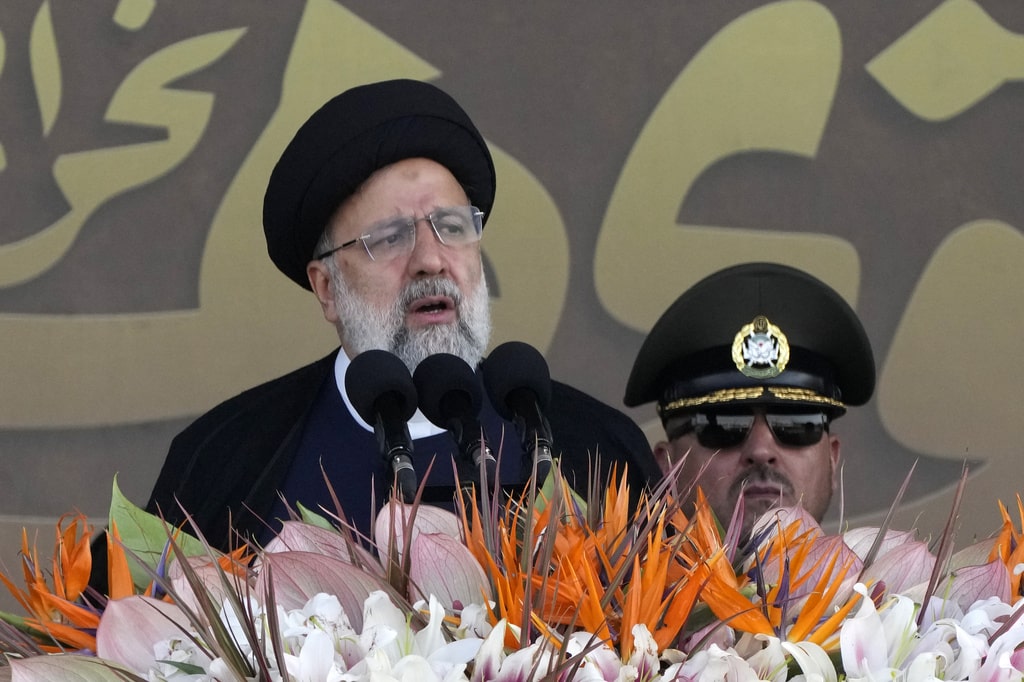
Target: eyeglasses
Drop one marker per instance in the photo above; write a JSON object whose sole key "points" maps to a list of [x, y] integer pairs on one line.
{"points": [[717, 430], [394, 237]]}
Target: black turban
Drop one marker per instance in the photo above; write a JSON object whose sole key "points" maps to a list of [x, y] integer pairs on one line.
{"points": [[349, 138]]}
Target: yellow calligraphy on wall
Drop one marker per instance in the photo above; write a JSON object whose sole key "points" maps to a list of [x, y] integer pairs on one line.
{"points": [[252, 324]]}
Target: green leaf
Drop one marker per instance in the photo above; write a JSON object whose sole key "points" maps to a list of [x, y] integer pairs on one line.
{"points": [[15, 620], [145, 536], [187, 668], [551, 487], [314, 519], [22, 625]]}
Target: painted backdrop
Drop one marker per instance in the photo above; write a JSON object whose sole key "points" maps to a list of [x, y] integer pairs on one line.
{"points": [[639, 146]]}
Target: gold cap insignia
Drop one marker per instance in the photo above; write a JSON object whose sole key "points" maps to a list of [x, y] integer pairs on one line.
{"points": [[760, 349]]}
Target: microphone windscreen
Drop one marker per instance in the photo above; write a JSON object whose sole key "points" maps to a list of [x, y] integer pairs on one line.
{"points": [[447, 388], [513, 366], [377, 380]]}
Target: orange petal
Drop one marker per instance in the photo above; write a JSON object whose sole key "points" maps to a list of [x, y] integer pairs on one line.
{"points": [[119, 576]]}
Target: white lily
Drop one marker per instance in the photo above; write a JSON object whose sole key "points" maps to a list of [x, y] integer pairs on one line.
{"points": [[491, 653], [769, 663], [385, 628], [473, 621], [813, 661], [599, 664], [645, 653], [444, 657], [712, 665], [416, 668], [532, 662], [877, 644], [862, 641], [316, 660]]}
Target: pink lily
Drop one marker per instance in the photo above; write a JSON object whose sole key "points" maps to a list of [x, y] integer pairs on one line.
{"points": [[66, 667], [131, 627], [965, 586], [395, 519], [442, 566], [297, 536], [901, 567], [295, 577], [860, 540]]}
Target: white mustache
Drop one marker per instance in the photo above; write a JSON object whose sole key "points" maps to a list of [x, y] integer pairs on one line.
{"points": [[430, 287]]}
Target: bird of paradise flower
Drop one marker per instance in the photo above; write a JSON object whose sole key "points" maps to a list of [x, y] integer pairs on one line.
{"points": [[64, 612], [1008, 546], [59, 620], [551, 564]]}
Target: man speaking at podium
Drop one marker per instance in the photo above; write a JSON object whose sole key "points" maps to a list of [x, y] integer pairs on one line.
{"points": [[377, 206]]}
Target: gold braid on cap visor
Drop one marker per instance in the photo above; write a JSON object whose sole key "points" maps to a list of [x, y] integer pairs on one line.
{"points": [[727, 395]]}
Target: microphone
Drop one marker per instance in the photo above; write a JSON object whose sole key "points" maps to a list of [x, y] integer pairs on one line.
{"points": [[519, 385], [451, 397], [383, 394]]}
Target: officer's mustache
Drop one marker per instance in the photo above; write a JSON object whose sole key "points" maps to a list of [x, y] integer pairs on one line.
{"points": [[758, 474]]}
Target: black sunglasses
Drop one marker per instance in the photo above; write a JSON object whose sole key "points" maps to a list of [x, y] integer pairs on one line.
{"points": [[718, 430]]}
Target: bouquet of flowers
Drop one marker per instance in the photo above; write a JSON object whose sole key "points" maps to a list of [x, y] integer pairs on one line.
{"points": [[538, 587]]}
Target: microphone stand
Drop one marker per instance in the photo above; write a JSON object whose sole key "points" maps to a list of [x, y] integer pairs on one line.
{"points": [[382, 392], [395, 445]]}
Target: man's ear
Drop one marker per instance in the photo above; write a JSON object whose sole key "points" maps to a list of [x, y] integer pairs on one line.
{"points": [[323, 288], [663, 455], [835, 455]]}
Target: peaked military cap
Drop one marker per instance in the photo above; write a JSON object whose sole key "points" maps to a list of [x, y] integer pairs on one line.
{"points": [[757, 333], [349, 138]]}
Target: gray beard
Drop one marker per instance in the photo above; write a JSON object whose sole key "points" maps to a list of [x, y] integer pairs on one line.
{"points": [[363, 326]]}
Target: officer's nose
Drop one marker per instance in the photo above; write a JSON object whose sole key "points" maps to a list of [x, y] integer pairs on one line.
{"points": [[760, 446]]}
